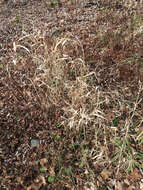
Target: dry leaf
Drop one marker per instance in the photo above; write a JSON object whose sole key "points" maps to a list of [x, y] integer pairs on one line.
{"points": [[135, 175], [119, 186], [51, 171], [105, 174]]}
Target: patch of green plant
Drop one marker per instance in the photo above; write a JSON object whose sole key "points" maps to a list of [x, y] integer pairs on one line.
{"points": [[131, 166], [58, 137], [119, 142], [1, 66], [53, 4], [72, 74], [141, 140], [68, 171], [74, 145], [57, 124], [136, 22], [115, 121], [132, 163], [83, 152], [103, 188], [139, 155], [116, 158], [42, 170], [135, 124], [127, 141], [71, 146], [38, 151], [83, 148], [56, 33], [52, 83], [51, 179], [127, 144], [17, 19], [81, 133]]}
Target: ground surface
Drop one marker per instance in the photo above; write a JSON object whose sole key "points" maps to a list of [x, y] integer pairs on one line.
{"points": [[71, 89]]}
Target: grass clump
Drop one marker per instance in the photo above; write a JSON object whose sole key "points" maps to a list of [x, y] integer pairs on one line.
{"points": [[80, 96]]}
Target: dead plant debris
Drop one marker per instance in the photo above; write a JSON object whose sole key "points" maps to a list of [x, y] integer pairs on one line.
{"points": [[71, 95]]}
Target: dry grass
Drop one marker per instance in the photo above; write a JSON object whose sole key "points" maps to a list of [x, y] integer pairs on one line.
{"points": [[83, 98]]}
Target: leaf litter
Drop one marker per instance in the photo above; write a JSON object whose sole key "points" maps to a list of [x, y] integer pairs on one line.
{"points": [[46, 91]]}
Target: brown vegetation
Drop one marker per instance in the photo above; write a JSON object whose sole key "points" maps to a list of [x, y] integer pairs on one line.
{"points": [[71, 89]]}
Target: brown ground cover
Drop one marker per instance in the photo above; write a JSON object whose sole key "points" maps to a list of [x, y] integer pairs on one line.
{"points": [[71, 95]]}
